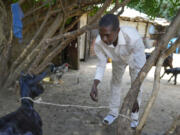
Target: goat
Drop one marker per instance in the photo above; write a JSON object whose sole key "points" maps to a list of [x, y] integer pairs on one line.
{"points": [[25, 120], [174, 72], [167, 62]]}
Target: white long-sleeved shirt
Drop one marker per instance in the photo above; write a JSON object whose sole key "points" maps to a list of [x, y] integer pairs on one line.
{"points": [[129, 50]]}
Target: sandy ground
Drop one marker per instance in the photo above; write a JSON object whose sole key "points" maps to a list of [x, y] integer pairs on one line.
{"points": [[82, 121]]}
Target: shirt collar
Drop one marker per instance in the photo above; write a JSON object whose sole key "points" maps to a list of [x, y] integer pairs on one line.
{"points": [[121, 39]]}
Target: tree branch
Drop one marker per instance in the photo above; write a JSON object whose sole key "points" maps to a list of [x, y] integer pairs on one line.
{"points": [[69, 38], [21, 1], [42, 52], [172, 48], [71, 34], [29, 58], [72, 25], [64, 17], [100, 12], [3, 8], [89, 2], [69, 8], [36, 9], [2, 4], [62, 7], [52, 54], [30, 45], [121, 11], [154, 94], [122, 4], [117, 2]]}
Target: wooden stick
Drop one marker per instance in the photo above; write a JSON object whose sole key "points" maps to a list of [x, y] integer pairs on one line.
{"points": [[154, 94]]}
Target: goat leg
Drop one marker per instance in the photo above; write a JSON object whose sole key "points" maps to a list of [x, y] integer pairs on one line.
{"points": [[170, 78], [175, 79], [162, 75]]}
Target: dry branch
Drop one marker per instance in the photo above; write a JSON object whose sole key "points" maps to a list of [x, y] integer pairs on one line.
{"points": [[21, 1], [121, 11], [100, 12], [51, 55], [42, 52], [30, 45], [117, 2], [154, 94], [83, 3], [72, 35], [62, 7], [9, 45], [117, 6], [2, 5], [36, 9], [173, 47], [72, 25]]}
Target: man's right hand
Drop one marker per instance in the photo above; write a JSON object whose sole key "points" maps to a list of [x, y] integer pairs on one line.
{"points": [[94, 91]]}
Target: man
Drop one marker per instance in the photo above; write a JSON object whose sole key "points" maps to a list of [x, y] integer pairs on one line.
{"points": [[125, 47]]}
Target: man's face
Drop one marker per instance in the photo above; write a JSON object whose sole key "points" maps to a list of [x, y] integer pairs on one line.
{"points": [[107, 35]]}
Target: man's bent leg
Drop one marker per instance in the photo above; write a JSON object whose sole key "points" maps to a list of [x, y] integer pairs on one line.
{"points": [[135, 115], [117, 74]]}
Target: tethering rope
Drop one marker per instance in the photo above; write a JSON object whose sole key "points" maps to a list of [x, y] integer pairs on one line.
{"points": [[39, 101]]}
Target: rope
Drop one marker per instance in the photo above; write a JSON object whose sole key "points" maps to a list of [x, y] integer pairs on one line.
{"points": [[39, 101]]}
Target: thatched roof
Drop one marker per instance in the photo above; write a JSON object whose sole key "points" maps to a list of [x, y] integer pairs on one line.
{"points": [[136, 16]]}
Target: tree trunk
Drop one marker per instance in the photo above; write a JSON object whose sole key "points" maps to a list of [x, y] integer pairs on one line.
{"points": [[5, 42]]}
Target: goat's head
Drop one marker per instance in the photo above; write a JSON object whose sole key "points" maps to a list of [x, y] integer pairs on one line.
{"points": [[30, 86]]}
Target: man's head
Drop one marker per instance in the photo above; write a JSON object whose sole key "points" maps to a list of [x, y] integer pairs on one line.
{"points": [[109, 28]]}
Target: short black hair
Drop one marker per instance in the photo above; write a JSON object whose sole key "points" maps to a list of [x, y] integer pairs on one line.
{"points": [[109, 20]]}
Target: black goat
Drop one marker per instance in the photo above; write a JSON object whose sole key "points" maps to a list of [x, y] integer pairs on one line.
{"points": [[25, 120], [174, 72], [167, 62]]}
